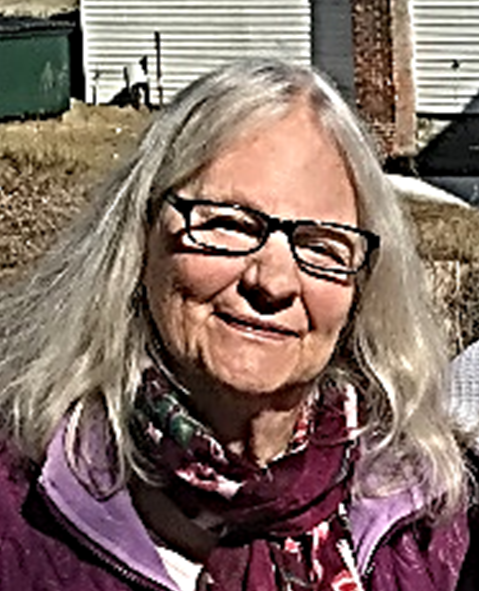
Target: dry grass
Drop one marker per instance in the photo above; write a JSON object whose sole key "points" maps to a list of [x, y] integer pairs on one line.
{"points": [[446, 231], [448, 241], [47, 169], [84, 140], [454, 285]]}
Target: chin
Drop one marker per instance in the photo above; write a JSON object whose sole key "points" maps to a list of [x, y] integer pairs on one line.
{"points": [[248, 379], [251, 385]]}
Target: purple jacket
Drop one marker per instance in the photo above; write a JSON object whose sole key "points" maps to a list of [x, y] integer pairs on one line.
{"points": [[58, 537]]}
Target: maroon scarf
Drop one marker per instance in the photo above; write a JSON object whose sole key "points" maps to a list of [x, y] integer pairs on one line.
{"points": [[278, 527]]}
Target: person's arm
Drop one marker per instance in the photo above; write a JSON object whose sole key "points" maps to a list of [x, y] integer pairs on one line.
{"points": [[463, 402]]}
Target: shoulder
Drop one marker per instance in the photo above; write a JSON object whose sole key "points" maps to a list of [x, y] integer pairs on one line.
{"points": [[396, 543], [34, 552], [422, 556]]}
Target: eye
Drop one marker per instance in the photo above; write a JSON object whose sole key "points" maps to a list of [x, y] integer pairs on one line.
{"points": [[324, 247], [329, 249], [225, 220]]}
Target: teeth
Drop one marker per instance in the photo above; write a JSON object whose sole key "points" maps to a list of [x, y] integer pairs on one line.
{"points": [[251, 326], [245, 323]]}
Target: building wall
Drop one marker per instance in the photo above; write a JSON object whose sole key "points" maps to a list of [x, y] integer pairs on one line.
{"points": [[373, 67], [403, 77], [195, 35], [447, 56], [383, 62], [332, 43]]}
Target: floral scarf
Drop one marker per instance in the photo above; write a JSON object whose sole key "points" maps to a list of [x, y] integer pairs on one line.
{"points": [[282, 527]]}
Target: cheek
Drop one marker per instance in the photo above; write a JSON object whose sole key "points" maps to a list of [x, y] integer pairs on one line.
{"points": [[191, 274], [181, 289], [201, 277], [328, 305]]}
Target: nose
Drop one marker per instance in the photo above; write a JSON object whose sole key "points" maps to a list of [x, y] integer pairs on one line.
{"points": [[271, 280]]}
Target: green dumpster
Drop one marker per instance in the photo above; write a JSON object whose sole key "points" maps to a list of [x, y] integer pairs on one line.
{"points": [[34, 67]]}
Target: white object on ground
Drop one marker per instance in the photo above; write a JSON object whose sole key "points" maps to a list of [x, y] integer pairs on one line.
{"points": [[414, 188]]}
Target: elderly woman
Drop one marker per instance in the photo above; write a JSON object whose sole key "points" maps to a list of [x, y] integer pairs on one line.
{"points": [[226, 376]]}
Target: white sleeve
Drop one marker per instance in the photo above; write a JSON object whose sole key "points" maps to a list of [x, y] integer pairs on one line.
{"points": [[464, 388]]}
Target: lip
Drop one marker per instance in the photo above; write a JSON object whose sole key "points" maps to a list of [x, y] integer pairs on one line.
{"points": [[258, 327]]}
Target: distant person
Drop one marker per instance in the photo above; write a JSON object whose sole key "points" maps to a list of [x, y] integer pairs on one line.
{"points": [[224, 377]]}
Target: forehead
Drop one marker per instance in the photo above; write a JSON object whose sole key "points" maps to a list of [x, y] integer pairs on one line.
{"points": [[290, 167]]}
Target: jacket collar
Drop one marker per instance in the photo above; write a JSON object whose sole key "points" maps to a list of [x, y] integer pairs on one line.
{"points": [[111, 524], [372, 519]]}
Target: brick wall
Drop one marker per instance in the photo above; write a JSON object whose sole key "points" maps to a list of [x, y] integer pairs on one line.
{"points": [[383, 72], [373, 65]]}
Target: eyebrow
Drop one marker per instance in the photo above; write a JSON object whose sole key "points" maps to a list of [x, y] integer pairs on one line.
{"points": [[237, 198], [253, 209]]}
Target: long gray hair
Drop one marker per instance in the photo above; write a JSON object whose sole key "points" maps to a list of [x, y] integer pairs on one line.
{"points": [[73, 332]]}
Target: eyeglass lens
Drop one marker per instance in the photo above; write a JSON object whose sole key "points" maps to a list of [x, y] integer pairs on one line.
{"points": [[225, 227], [237, 230]]}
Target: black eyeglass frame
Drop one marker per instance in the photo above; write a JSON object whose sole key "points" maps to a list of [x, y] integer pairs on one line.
{"points": [[273, 224]]}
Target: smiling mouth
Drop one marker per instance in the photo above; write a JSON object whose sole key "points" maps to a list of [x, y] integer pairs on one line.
{"points": [[270, 329]]}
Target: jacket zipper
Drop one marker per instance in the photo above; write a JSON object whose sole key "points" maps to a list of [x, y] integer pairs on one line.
{"points": [[122, 570]]}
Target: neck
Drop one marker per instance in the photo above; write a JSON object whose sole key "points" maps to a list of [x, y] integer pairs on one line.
{"points": [[256, 425]]}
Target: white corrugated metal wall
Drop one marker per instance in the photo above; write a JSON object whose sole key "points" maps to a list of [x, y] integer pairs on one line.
{"points": [[446, 39], [195, 36]]}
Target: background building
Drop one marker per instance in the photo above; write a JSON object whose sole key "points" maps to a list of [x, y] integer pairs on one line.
{"points": [[410, 67]]}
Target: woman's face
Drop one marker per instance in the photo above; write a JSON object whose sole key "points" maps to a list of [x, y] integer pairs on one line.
{"points": [[255, 323]]}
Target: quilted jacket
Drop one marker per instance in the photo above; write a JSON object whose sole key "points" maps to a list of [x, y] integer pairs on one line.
{"points": [[54, 536]]}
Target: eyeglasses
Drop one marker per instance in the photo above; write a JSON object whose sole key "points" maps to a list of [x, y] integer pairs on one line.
{"points": [[319, 248]]}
